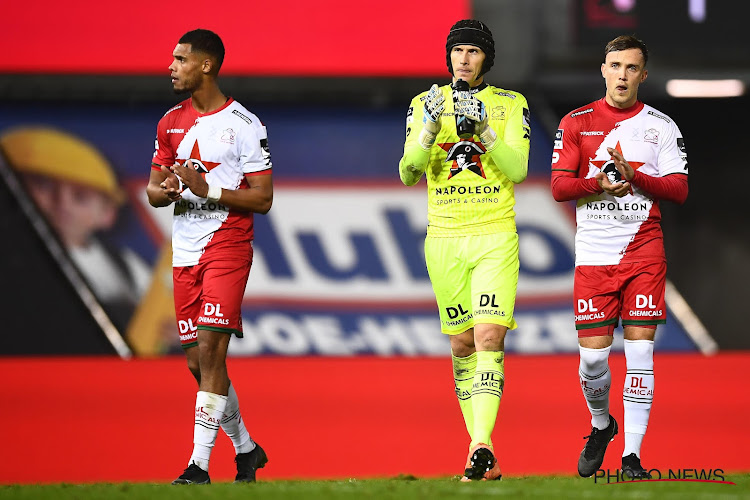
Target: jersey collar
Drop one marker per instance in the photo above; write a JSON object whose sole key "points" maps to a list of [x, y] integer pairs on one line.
{"points": [[478, 88], [226, 104], [621, 113]]}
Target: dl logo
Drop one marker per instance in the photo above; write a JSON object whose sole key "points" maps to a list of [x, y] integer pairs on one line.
{"points": [[487, 300], [585, 306], [642, 301], [454, 312], [213, 310], [186, 326]]}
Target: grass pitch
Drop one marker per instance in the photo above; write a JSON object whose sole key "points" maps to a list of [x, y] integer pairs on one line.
{"points": [[404, 487]]}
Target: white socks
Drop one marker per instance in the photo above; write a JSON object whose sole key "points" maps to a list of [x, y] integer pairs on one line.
{"points": [[638, 392], [595, 378], [234, 426], [209, 410]]}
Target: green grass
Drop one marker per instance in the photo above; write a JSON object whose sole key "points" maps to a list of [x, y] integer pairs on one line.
{"points": [[405, 487]]}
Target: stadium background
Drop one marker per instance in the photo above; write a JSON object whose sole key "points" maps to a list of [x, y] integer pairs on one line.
{"points": [[339, 317]]}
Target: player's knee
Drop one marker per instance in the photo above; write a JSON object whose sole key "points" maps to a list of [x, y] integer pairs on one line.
{"points": [[594, 360], [212, 357], [192, 357], [209, 356], [490, 337], [645, 332], [492, 343], [462, 344]]}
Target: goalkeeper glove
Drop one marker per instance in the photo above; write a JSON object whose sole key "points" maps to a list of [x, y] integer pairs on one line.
{"points": [[433, 109], [475, 110]]}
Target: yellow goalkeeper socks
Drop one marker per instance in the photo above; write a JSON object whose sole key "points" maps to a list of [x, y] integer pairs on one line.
{"points": [[486, 391], [463, 376]]}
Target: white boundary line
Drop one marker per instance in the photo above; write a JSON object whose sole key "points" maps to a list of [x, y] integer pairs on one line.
{"points": [[697, 332]]}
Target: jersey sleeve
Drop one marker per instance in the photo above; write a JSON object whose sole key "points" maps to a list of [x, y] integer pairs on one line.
{"points": [[566, 182], [672, 159], [511, 155], [670, 187], [164, 154], [255, 155], [415, 159], [566, 150], [673, 155], [573, 188]]}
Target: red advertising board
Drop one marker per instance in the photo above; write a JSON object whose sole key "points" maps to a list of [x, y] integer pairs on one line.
{"points": [[375, 406], [290, 38]]}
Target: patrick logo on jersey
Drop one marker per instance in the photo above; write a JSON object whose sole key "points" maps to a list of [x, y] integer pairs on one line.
{"points": [[202, 166], [608, 166], [465, 155]]}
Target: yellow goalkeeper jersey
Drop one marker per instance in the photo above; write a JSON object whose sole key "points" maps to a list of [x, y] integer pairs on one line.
{"points": [[470, 188]]}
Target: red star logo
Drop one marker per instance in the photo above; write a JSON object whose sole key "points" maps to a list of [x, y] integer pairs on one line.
{"points": [[600, 163], [202, 166], [465, 156]]}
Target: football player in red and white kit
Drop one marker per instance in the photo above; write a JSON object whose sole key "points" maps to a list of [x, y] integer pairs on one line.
{"points": [[618, 157], [212, 161]]}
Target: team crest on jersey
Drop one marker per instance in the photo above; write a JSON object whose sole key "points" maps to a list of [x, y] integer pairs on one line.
{"points": [[651, 135], [465, 155], [227, 136], [202, 166]]}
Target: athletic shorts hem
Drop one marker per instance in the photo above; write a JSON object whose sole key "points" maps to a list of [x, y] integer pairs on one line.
{"points": [[191, 344], [606, 322], [456, 332], [641, 322], [496, 321], [488, 321], [229, 331]]}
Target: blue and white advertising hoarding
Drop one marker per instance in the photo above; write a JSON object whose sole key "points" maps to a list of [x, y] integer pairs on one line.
{"points": [[338, 262]]}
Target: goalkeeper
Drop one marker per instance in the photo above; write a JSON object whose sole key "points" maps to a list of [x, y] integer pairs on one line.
{"points": [[471, 248]]}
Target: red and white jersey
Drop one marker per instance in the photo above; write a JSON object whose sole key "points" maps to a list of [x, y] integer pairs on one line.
{"points": [[224, 145], [613, 230]]}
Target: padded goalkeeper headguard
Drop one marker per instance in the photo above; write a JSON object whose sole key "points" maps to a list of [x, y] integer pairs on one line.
{"points": [[471, 32]]}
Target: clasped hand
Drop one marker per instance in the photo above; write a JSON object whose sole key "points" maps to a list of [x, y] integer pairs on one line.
{"points": [[621, 188], [475, 110], [181, 177]]}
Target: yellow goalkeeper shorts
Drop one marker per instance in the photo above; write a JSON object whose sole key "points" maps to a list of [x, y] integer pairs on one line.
{"points": [[474, 279]]}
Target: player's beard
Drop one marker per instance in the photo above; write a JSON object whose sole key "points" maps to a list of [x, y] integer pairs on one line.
{"points": [[187, 87], [179, 91]]}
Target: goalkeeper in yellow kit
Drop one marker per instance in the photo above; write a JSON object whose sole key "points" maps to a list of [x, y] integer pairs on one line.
{"points": [[471, 247]]}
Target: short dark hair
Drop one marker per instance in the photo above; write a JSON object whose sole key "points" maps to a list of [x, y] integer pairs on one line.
{"points": [[205, 41], [625, 42]]}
